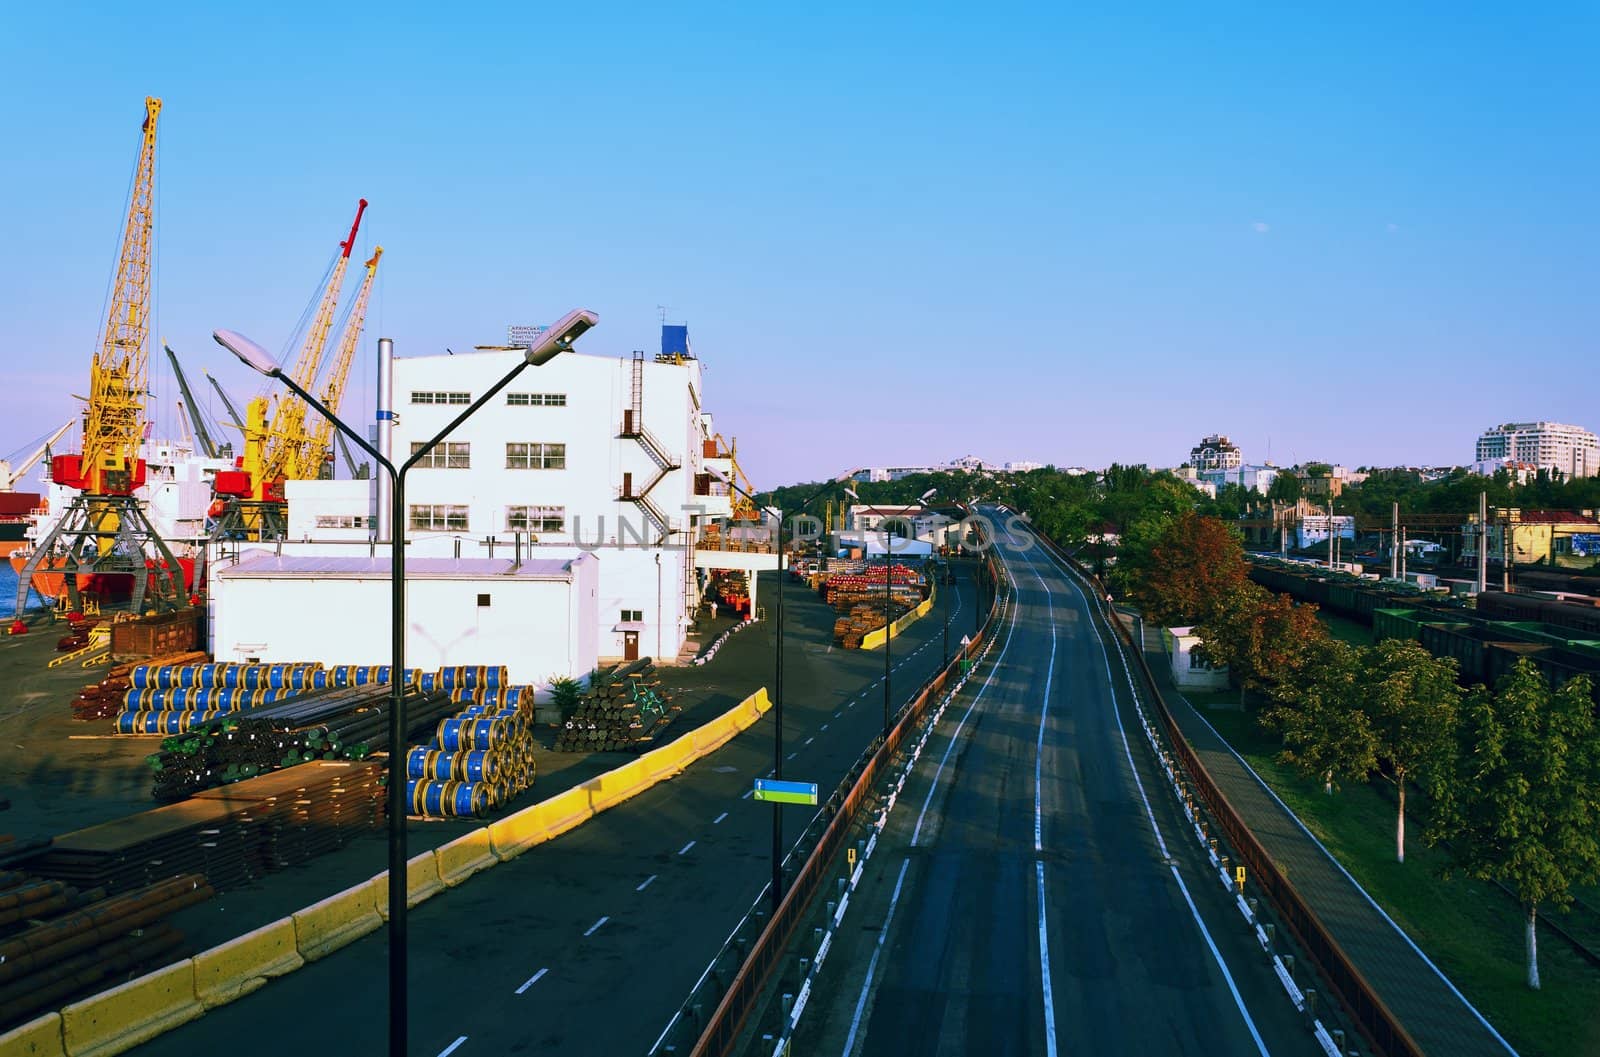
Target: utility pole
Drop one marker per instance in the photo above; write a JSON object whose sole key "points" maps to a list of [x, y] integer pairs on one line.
{"points": [[1394, 544], [1402, 554], [1505, 552], [1483, 542]]}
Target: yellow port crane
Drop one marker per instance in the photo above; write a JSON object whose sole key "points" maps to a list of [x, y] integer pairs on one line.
{"points": [[104, 536], [113, 422], [320, 452], [279, 447]]}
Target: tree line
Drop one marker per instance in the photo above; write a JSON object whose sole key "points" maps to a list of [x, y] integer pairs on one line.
{"points": [[1511, 772]]}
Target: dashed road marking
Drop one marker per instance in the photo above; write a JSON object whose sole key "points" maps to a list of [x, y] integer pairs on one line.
{"points": [[645, 883], [448, 1050], [530, 981], [718, 820], [595, 927], [685, 849]]}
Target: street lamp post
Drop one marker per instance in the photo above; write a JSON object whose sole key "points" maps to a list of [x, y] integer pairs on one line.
{"points": [[776, 887], [554, 341], [888, 596]]}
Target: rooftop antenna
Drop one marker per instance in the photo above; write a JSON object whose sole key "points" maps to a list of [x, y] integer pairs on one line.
{"points": [[661, 310]]}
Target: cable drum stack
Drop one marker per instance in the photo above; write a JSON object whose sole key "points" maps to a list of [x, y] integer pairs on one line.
{"points": [[480, 758], [106, 698], [624, 709]]}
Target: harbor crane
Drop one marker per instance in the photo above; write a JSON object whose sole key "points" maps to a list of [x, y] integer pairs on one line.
{"points": [[280, 446], [105, 534], [12, 471], [320, 453]]}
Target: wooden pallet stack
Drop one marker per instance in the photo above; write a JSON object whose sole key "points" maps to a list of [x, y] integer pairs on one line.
{"points": [[625, 709], [104, 699]]}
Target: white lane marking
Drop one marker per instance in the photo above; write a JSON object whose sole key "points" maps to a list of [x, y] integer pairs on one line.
{"points": [[1044, 711], [872, 966], [1044, 970], [532, 980], [596, 926], [685, 849], [792, 755], [448, 1050], [808, 741], [1238, 1000], [747, 794], [718, 820], [645, 883], [825, 726], [956, 734]]}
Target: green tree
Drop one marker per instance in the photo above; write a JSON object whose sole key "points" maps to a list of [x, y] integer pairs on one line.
{"points": [[1191, 567], [1285, 487], [1265, 639], [1324, 733], [1410, 700], [1523, 804]]}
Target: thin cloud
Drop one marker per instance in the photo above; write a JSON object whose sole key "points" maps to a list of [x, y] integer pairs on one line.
{"points": [[1261, 227]]}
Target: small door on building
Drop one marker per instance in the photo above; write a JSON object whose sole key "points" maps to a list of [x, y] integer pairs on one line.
{"points": [[630, 645]]}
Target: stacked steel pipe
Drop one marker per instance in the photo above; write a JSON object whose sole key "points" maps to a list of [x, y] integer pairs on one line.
{"points": [[58, 943], [104, 699], [481, 757], [349, 722], [624, 710]]}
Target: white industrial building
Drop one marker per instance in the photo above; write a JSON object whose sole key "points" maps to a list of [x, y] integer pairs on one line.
{"points": [[585, 455], [1316, 528], [1571, 450], [537, 617]]}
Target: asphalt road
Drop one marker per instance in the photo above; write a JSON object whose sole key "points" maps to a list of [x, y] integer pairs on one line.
{"points": [[589, 944], [1021, 900]]}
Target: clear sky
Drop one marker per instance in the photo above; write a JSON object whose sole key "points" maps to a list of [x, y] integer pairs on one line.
{"points": [[1360, 234]]}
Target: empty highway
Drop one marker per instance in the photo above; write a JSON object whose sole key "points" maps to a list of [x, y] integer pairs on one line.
{"points": [[1035, 892]]}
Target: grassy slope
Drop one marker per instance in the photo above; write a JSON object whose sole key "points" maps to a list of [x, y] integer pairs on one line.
{"points": [[1471, 931]]}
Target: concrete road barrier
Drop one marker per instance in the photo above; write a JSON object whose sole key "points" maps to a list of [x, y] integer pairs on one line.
{"points": [[422, 882], [465, 856], [234, 969], [40, 1037], [137, 1011], [325, 926]]}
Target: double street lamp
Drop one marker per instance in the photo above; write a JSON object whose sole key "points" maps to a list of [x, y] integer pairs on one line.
{"points": [[888, 555], [551, 343], [777, 679]]}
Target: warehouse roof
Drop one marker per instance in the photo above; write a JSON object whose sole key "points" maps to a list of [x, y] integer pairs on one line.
{"points": [[275, 566]]}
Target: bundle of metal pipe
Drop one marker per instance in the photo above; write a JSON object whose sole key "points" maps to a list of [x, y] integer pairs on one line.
{"points": [[346, 723], [93, 940], [479, 759], [623, 710], [104, 698]]}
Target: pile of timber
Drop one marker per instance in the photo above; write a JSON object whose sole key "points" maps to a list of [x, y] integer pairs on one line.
{"points": [[59, 943], [864, 617], [104, 699], [348, 723], [233, 836], [625, 709]]}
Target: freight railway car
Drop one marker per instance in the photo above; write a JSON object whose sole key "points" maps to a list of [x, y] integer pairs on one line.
{"points": [[1575, 615]]}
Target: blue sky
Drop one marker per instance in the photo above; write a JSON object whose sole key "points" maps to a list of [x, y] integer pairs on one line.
{"points": [[1023, 232]]}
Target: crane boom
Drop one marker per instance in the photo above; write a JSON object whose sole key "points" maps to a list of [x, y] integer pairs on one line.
{"points": [[238, 420], [201, 434], [287, 450], [109, 462], [11, 473], [320, 449]]}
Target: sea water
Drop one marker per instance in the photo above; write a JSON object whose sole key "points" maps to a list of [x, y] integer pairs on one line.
{"points": [[8, 589]]}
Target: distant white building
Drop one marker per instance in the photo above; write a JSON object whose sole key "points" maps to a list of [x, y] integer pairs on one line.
{"points": [[1216, 452], [1315, 528], [1023, 466], [1190, 670], [912, 522], [1571, 450]]}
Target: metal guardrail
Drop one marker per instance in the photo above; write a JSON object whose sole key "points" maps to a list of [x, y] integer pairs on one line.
{"points": [[1361, 1002], [722, 1030]]}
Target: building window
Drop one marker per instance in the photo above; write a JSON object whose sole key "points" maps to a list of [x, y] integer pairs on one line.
{"points": [[450, 455], [536, 399], [341, 521], [439, 517], [532, 456], [536, 519], [483, 601], [434, 396], [633, 616]]}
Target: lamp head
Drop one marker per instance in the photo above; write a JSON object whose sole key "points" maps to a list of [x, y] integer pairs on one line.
{"points": [[851, 492], [559, 338], [250, 353], [927, 495]]}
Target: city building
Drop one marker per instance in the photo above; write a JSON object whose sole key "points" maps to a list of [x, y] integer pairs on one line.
{"points": [[1570, 450], [912, 522], [1216, 452], [1191, 671], [1567, 539], [1314, 529]]}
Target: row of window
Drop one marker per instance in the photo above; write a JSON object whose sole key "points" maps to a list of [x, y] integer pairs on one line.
{"points": [[451, 517], [454, 455], [441, 396], [342, 521]]}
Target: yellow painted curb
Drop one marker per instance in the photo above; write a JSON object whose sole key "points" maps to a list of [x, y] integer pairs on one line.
{"points": [[325, 926], [422, 882], [234, 969], [465, 856], [37, 1038], [120, 1019]]}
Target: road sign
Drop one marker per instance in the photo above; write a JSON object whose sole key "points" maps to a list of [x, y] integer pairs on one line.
{"points": [[786, 792]]}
